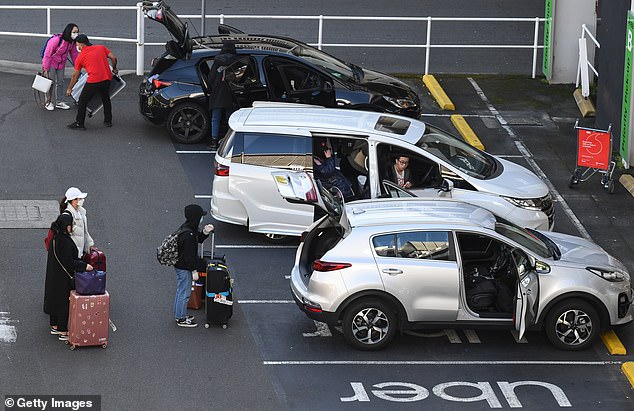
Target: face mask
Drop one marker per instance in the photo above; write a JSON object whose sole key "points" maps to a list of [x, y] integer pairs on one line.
{"points": [[80, 202], [74, 35]]}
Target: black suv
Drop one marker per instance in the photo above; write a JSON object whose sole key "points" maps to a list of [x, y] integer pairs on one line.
{"points": [[270, 68]]}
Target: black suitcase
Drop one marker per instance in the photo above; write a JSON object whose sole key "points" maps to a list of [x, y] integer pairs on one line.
{"points": [[218, 291]]}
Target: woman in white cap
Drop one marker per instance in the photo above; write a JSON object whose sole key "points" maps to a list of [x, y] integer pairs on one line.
{"points": [[72, 203]]}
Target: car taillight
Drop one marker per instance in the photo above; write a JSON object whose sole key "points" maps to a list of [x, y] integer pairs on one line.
{"points": [[325, 266], [158, 84], [222, 170]]}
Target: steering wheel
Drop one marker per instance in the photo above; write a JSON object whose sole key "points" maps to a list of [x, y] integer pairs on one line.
{"points": [[501, 262]]}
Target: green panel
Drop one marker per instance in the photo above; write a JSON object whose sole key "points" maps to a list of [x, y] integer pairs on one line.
{"points": [[548, 14], [627, 87]]}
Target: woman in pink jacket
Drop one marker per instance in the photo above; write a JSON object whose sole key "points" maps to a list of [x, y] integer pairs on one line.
{"points": [[54, 61]]}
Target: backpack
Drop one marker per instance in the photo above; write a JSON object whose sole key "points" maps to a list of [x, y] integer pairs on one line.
{"points": [[46, 44], [49, 235], [167, 252]]}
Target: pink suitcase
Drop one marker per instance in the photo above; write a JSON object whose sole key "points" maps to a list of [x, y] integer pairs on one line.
{"points": [[88, 320]]}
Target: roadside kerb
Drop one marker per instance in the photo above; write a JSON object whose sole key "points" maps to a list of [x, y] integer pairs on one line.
{"points": [[466, 131], [628, 182], [628, 369], [613, 344], [438, 93]]}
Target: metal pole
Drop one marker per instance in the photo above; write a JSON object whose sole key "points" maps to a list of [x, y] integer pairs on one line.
{"points": [[48, 21], [321, 31], [140, 39], [536, 38], [428, 45], [203, 13]]}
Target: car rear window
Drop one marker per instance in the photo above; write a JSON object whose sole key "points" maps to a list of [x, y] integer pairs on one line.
{"points": [[273, 150]]}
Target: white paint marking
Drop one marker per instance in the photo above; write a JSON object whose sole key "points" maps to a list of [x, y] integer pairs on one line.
{"points": [[528, 156], [202, 195], [266, 301], [516, 335], [114, 327], [322, 330], [453, 336], [194, 152], [472, 337], [240, 246], [449, 115], [592, 363], [287, 277], [8, 332]]}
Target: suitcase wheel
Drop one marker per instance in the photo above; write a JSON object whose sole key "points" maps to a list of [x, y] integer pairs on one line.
{"points": [[104, 345], [206, 325], [72, 347], [224, 326]]}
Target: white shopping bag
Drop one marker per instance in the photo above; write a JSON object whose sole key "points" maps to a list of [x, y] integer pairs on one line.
{"points": [[42, 84]]}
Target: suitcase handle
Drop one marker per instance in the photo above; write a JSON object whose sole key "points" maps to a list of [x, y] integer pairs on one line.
{"points": [[201, 246]]}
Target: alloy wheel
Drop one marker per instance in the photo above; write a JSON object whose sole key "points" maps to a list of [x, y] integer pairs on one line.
{"points": [[573, 327]]}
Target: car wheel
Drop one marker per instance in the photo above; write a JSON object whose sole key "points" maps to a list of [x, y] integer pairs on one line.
{"points": [[572, 325], [188, 123], [369, 324]]}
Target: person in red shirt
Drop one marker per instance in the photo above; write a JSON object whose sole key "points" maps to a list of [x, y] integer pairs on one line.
{"points": [[93, 59]]}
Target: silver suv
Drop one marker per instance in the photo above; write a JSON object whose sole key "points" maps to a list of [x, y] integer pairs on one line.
{"points": [[377, 267]]}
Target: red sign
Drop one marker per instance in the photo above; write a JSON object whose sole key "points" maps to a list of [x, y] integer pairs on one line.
{"points": [[593, 148]]}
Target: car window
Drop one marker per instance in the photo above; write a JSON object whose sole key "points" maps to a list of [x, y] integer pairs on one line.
{"points": [[406, 169], [456, 152], [273, 150], [525, 238], [423, 245], [385, 245], [333, 66]]}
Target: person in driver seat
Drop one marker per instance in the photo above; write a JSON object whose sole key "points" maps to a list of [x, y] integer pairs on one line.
{"points": [[398, 173]]}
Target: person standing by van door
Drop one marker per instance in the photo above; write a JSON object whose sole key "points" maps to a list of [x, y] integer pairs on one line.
{"points": [[221, 100], [57, 50], [94, 59]]}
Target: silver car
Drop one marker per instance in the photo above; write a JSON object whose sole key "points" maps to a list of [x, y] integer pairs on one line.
{"points": [[378, 267]]}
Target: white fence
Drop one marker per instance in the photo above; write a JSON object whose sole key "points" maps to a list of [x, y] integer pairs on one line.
{"points": [[139, 40]]}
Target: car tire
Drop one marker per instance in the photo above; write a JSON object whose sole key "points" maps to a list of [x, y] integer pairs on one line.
{"points": [[369, 324], [572, 325], [188, 123]]}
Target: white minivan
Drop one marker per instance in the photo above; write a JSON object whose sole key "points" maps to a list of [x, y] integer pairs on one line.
{"points": [[365, 146]]}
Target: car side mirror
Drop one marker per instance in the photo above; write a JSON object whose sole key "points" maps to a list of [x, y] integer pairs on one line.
{"points": [[541, 267], [446, 186]]}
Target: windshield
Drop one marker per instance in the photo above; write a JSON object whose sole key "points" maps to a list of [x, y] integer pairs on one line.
{"points": [[331, 65], [456, 152], [525, 238]]}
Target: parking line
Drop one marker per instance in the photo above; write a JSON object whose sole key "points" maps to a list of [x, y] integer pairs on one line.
{"points": [[266, 301], [472, 336], [529, 158], [202, 196], [194, 152], [413, 362]]}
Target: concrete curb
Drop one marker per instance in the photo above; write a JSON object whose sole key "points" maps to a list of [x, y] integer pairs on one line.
{"points": [[628, 370], [30, 69], [438, 93], [628, 182], [612, 342], [466, 132]]}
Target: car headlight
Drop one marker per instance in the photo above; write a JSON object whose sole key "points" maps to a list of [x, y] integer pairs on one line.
{"points": [[401, 103], [527, 203], [612, 276]]}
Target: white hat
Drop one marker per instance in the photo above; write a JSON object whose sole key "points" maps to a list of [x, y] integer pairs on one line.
{"points": [[73, 193]]}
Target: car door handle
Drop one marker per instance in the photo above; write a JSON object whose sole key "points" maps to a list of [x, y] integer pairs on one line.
{"points": [[392, 271]]}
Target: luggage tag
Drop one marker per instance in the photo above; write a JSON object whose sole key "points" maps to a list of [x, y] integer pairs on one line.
{"points": [[221, 299]]}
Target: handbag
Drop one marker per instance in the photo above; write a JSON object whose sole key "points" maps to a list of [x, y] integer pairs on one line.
{"points": [[90, 282], [196, 296], [41, 83]]}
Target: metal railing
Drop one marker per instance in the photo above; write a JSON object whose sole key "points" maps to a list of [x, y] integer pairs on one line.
{"points": [[427, 45], [583, 75]]}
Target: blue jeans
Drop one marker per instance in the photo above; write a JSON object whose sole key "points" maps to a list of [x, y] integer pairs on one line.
{"points": [[216, 115], [183, 291]]}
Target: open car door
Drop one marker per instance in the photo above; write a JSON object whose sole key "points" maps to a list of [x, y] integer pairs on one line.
{"points": [[300, 187], [527, 293], [162, 13]]}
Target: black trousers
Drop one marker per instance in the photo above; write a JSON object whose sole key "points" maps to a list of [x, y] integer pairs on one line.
{"points": [[90, 89]]}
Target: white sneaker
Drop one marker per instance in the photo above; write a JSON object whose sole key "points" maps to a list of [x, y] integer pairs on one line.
{"points": [[62, 105], [50, 106]]}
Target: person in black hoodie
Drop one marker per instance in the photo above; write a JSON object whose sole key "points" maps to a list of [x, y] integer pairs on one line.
{"points": [[62, 263], [188, 260], [221, 99]]}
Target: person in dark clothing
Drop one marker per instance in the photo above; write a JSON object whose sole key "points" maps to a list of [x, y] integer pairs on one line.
{"points": [[326, 171], [62, 263], [399, 174], [221, 99], [188, 260]]}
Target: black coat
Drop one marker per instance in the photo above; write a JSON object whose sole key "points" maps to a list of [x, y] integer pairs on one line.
{"points": [[58, 283], [221, 95]]}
